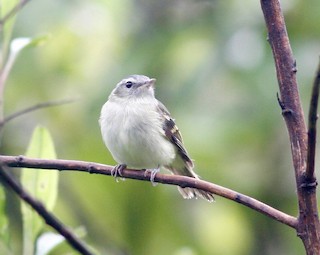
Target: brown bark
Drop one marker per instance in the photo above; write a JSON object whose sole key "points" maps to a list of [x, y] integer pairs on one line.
{"points": [[308, 228], [182, 181]]}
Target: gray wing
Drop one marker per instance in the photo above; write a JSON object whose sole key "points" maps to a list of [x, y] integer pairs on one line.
{"points": [[173, 134]]}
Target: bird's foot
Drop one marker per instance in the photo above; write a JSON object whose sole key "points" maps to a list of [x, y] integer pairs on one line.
{"points": [[153, 173], [117, 170]]}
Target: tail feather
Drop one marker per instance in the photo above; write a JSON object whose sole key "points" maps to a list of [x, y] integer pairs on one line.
{"points": [[182, 164], [189, 193]]}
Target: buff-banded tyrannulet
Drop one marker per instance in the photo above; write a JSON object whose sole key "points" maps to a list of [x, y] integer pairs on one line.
{"points": [[140, 133]]}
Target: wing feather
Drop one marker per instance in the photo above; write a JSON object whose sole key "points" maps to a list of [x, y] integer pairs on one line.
{"points": [[173, 134]]}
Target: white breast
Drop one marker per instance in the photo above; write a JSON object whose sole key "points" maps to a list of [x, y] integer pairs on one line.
{"points": [[133, 133]]}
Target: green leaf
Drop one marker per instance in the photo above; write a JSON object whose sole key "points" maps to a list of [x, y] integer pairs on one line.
{"points": [[49, 241], [5, 7], [16, 46], [3, 217], [41, 184], [39, 40], [20, 43], [4, 234]]}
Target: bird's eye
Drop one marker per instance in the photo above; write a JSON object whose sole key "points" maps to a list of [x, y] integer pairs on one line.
{"points": [[129, 84]]}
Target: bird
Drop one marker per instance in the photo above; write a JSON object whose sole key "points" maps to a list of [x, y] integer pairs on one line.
{"points": [[140, 133]]}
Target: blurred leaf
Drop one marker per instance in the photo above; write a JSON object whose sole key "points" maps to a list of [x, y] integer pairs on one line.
{"points": [[6, 7], [39, 40], [19, 44], [4, 234], [16, 46], [48, 241], [3, 217], [42, 184]]}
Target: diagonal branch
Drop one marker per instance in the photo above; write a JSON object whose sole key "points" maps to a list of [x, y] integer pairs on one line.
{"points": [[34, 108], [13, 11], [42, 211], [312, 128], [182, 181]]}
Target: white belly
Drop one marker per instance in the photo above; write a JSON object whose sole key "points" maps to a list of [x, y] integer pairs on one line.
{"points": [[136, 140]]}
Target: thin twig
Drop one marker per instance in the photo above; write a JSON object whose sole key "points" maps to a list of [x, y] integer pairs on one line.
{"points": [[13, 11], [34, 108], [182, 181], [49, 218], [312, 128], [4, 72]]}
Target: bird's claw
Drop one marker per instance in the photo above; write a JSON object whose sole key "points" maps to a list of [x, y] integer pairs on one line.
{"points": [[153, 173], [117, 170]]}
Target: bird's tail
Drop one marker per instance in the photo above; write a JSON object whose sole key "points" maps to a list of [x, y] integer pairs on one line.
{"points": [[187, 192]]}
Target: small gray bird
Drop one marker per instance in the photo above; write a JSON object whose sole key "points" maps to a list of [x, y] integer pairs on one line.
{"points": [[140, 133]]}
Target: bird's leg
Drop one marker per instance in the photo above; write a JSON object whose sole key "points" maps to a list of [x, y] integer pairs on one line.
{"points": [[116, 171], [153, 174]]}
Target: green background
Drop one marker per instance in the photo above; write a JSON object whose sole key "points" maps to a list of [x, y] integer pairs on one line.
{"points": [[215, 73]]}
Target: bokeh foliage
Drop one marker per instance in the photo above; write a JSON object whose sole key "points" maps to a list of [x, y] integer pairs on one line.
{"points": [[215, 73]]}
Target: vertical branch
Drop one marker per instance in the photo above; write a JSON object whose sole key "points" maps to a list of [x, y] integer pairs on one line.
{"points": [[286, 74], [308, 228], [4, 72], [312, 131]]}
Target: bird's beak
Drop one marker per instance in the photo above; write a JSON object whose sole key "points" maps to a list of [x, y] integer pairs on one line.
{"points": [[148, 84], [152, 81]]}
